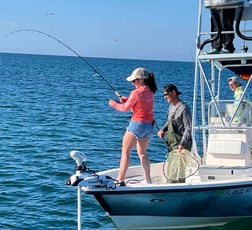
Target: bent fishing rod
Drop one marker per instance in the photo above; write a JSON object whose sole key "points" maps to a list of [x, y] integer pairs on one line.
{"points": [[78, 55], [73, 51]]}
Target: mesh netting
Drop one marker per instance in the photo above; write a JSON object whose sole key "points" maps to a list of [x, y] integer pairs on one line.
{"points": [[179, 166]]}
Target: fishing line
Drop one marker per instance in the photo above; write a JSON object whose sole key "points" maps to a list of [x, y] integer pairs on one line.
{"points": [[64, 44], [80, 57]]}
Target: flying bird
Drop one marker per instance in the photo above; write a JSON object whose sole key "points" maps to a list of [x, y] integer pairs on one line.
{"points": [[50, 14]]}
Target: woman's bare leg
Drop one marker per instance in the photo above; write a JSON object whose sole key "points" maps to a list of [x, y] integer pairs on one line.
{"points": [[142, 145], [129, 141]]}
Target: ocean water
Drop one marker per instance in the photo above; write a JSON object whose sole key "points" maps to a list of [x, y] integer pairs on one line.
{"points": [[50, 105]]}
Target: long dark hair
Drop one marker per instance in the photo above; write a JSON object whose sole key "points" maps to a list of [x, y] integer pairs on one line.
{"points": [[151, 82]]}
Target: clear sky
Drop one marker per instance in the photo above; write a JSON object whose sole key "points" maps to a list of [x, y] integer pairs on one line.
{"points": [[135, 29]]}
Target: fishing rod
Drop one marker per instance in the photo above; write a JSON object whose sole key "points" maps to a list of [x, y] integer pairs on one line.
{"points": [[81, 58]]}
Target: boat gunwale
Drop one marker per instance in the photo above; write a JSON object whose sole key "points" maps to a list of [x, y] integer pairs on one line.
{"points": [[176, 187]]}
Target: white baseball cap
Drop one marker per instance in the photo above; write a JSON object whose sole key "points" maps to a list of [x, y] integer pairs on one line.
{"points": [[139, 73]]}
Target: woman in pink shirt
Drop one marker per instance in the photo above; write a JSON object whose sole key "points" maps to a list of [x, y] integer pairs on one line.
{"points": [[140, 129]]}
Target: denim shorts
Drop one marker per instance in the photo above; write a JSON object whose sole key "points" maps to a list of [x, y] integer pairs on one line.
{"points": [[141, 129]]}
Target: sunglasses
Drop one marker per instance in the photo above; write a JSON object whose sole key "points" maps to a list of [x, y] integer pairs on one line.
{"points": [[166, 94]]}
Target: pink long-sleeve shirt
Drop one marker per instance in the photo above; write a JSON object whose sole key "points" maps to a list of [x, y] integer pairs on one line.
{"points": [[141, 102]]}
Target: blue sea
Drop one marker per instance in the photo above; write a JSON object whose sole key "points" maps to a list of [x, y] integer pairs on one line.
{"points": [[50, 105]]}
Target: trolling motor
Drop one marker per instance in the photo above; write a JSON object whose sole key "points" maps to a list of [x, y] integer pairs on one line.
{"points": [[80, 159], [84, 177], [87, 178], [81, 168]]}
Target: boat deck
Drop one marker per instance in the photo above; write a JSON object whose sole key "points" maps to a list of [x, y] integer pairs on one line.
{"points": [[205, 174]]}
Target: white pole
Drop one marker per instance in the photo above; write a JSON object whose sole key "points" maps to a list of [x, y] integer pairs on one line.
{"points": [[79, 206]]}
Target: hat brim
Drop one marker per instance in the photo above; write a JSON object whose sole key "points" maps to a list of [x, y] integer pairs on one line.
{"points": [[234, 79], [131, 78]]}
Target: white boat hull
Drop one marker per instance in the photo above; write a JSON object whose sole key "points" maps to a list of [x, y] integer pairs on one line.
{"points": [[161, 222]]}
